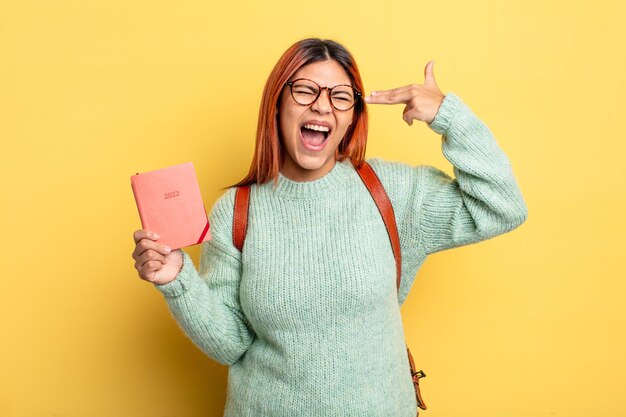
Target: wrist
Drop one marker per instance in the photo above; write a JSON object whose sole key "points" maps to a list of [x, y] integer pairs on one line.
{"points": [[445, 113]]}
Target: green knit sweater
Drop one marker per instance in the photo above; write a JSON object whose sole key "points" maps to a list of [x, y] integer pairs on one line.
{"points": [[307, 316]]}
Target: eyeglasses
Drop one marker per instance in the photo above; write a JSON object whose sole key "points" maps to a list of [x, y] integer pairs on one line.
{"points": [[305, 92]]}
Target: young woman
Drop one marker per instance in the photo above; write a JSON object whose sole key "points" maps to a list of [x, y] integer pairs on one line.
{"points": [[307, 315]]}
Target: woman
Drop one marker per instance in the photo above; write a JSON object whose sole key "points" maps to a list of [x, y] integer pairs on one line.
{"points": [[307, 315]]}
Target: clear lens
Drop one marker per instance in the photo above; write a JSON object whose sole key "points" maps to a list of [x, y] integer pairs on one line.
{"points": [[342, 97], [305, 92]]}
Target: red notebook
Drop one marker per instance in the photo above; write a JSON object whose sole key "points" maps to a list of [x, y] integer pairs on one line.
{"points": [[170, 204]]}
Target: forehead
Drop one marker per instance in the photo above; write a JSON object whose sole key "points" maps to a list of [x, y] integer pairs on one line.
{"points": [[325, 73]]}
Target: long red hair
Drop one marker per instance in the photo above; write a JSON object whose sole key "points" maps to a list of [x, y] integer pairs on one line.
{"points": [[268, 153]]}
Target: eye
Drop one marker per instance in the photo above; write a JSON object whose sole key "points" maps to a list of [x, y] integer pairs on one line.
{"points": [[304, 88], [342, 96], [304, 91]]}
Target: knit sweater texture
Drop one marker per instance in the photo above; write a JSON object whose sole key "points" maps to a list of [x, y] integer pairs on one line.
{"points": [[307, 316]]}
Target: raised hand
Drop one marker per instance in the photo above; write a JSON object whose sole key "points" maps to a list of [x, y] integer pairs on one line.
{"points": [[421, 101]]}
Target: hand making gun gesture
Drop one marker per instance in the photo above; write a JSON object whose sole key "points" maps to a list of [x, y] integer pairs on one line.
{"points": [[421, 101]]}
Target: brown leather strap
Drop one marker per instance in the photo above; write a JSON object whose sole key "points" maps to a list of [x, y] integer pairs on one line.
{"points": [[416, 375], [240, 218], [383, 203]]}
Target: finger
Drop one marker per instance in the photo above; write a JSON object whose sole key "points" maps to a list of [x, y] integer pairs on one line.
{"points": [[149, 270], [429, 75], [143, 233], [149, 266], [151, 276], [393, 90], [394, 96], [146, 244], [406, 118], [149, 256]]}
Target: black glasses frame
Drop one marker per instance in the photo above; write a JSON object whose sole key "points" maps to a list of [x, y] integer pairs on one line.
{"points": [[357, 93]]}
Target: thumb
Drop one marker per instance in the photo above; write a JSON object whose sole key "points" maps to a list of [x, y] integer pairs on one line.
{"points": [[429, 75]]}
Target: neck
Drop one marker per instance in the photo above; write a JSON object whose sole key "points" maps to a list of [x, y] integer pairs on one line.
{"points": [[304, 175]]}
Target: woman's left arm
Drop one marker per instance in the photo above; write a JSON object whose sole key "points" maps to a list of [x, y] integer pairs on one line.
{"points": [[483, 200]]}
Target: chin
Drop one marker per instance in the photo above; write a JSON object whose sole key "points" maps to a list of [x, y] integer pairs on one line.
{"points": [[308, 169], [313, 164]]}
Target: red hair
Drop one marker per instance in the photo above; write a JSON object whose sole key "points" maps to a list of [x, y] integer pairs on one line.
{"points": [[268, 153]]}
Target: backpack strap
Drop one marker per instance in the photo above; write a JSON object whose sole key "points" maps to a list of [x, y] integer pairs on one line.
{"points": [[376, 189], [240, 219]]}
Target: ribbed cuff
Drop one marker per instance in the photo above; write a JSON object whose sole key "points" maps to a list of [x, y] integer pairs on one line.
{"points": [[183, 281], [445, 114]]}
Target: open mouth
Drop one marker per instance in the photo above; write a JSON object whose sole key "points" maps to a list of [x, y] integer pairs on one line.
{"points": [[314, 136]]}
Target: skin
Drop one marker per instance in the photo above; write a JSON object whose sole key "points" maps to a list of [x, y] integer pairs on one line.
{"points": [[421, 101], [154, 262], [302, 164], [157, 264]]}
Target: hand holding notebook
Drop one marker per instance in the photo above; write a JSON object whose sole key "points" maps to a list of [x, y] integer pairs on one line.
{"points": [[154, 262], [172, 215]]}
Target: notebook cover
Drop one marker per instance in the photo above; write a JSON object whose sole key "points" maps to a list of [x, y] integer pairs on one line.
{"points": [[170, 204]]}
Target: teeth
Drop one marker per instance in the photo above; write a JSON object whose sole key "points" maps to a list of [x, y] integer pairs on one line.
{"points": [[318, 128]]}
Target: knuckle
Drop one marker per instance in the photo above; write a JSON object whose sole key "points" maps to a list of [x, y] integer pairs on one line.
{"points": [[146, 269], [154, 265], [141, 272], [139, 234]]}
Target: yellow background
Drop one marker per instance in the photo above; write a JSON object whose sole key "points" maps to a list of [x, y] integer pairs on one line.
{"points": [[531, 323]]}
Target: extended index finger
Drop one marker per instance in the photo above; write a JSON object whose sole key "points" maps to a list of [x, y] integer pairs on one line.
{"points": [[398, 95]]}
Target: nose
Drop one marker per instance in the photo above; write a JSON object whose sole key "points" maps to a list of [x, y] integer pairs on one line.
{"points": [[323, 104]]}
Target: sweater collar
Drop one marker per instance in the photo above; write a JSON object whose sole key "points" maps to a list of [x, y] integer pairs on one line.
{"points": [[327, 185]]}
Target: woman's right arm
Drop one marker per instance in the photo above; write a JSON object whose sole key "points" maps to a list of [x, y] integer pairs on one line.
{"points": [[205, 303]]}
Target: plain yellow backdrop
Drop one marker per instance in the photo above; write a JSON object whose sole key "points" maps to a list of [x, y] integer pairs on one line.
{"points": [[531, 323]]}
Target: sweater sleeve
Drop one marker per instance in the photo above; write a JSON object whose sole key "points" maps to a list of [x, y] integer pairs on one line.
{"points": [[483, 200], [206, 303], [437, 212]]}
